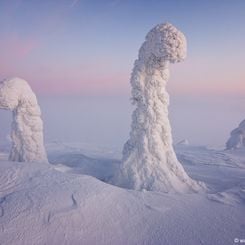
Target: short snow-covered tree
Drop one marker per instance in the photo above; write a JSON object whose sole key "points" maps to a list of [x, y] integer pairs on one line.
{"points": [[149, 161], [27, 126], [237, 137]]}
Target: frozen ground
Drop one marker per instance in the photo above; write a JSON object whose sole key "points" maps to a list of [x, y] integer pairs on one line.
{"points": [[67, 203]]}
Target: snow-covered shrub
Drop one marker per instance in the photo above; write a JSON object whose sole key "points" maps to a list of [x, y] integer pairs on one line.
{"points": [[237, 137], [27, 126], [149, 161]]}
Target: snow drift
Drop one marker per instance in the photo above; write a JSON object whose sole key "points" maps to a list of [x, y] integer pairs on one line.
{"points": [[27, 126], [237, 137], [47, 204], [149, 161]]}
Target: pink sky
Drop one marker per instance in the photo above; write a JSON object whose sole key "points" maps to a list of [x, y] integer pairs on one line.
{"points": [[58, 56], [193, 76]]}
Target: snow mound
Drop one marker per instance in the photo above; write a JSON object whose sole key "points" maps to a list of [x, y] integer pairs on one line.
{"points": [[237, 137], [27, 126], [40, 205], [149, 161], [75, 162]]}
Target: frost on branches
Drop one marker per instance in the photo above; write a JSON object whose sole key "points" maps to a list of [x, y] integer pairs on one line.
{"points": [[237, 137], [149, 161], [27, 126]]}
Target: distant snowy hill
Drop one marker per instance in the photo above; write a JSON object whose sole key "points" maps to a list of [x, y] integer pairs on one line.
{"points": [[183, 142], [57, 204]]}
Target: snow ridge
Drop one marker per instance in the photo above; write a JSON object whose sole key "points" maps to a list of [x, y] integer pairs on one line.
{"points": [[27, 126], [149, 161]]}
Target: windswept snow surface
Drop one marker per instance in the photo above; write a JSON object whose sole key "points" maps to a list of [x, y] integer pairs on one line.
{"points": [[58, 204]]}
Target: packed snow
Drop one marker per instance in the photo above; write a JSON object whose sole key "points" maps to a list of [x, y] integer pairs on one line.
{"points": [[27, 126], [62, 203], [237, 137], [149, 161]]}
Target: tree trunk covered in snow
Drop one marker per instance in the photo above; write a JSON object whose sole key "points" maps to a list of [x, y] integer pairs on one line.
{"points": [[27, 126], [149, 161]]}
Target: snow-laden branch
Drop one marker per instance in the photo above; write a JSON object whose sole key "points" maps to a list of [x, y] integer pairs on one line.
{"points": [[27, 126], [149, 161]]}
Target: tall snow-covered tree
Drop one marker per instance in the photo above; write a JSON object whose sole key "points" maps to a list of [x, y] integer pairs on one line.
{"points": [[149, 161], [27, 126]]}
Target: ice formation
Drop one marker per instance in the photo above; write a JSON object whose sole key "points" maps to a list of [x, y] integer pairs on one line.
{"points": [[27, 126], [149, 161], [237, 137]]}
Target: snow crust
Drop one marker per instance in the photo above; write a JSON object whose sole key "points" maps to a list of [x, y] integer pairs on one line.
{"points": [[149, 161], [27, 126], [237, 137]]}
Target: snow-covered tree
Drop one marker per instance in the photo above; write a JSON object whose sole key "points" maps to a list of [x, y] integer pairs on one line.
{"points": [[27, 126], [149, 161], [237, 137]]}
